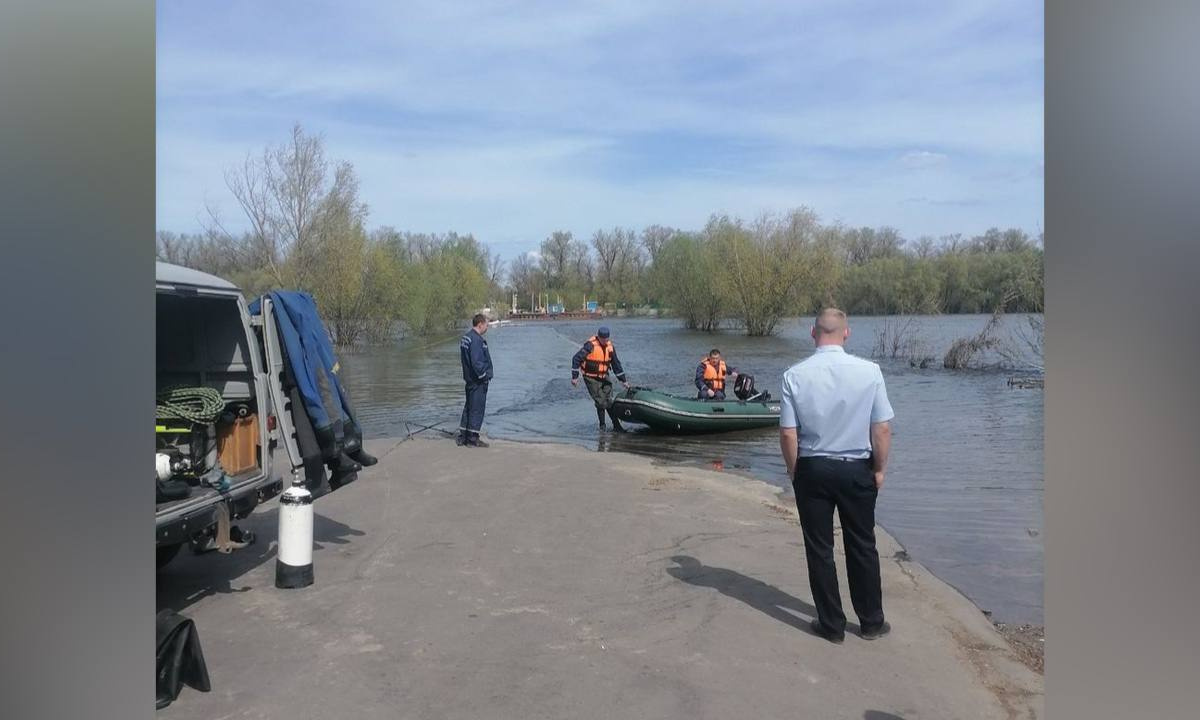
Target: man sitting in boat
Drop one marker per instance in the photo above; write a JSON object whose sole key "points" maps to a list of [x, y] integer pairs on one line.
{"points": [[710, 376]]}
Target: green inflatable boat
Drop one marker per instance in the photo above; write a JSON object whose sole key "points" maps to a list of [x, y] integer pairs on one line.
{"points": [[671, 413]]}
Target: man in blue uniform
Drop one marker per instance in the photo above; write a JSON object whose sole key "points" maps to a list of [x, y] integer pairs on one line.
{"points": [[477, 372]]}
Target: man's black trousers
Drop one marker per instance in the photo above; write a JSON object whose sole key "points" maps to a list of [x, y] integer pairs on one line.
{"points": [[472, 414], [821, 485]]}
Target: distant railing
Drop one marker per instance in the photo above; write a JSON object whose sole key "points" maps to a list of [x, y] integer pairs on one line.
{"points": [[565, 315]]}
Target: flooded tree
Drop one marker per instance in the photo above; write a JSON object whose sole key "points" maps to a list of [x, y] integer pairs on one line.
{"points": [[1021, 349], [861, 245], [441, 279], [775, 268], [686, 273], [650, 286], [555, 257], [525, 278], [900, 336], [616, 264], [284, 193], [963, 353], [925, 247], [306, 230], [1024, 349], [655, 237], [336, 264], [566, 267]]}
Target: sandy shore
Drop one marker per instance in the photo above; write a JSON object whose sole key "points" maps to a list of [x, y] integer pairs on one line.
{"points": [[545, 581]]}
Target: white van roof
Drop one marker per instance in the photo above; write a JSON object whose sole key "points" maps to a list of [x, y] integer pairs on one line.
{"points": [[169, 274]]}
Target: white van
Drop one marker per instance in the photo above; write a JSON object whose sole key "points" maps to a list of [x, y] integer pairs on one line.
{"points": [[207, 339]]}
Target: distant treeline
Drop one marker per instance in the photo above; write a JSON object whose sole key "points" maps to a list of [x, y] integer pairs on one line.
{"points": [[308, 231]]}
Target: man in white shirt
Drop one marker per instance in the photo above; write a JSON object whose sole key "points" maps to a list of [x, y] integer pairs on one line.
{"points": [[835, 434]]}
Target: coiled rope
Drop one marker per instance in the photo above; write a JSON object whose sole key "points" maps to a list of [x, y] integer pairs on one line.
{"points": [[200, 405]]}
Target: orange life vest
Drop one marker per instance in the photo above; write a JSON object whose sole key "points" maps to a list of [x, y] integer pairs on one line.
{"points": [[597, 361], [714, 375]]}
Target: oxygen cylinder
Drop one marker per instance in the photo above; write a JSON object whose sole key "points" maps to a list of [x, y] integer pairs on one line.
{"points": [[293, 564]]}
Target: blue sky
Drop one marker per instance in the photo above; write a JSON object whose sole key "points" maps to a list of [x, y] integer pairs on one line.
{"points": [[511, 120]]}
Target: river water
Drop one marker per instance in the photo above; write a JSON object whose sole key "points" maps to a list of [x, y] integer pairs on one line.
{"points": [[964, 489]]}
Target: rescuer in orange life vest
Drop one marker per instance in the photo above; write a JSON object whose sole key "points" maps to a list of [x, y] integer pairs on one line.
{"points": [[710, 376], [595, 359]]}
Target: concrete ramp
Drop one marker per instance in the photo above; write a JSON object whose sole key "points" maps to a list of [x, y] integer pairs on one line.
{"points": [[543, 581]]}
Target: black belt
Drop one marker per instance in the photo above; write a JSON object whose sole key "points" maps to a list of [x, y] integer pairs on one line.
{"points": [[834, 457]]}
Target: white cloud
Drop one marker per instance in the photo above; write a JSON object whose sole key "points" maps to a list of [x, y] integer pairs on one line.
{"points": [[918, 159]]}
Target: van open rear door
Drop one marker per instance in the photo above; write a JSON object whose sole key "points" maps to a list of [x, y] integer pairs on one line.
{"points": [[282, 405]]}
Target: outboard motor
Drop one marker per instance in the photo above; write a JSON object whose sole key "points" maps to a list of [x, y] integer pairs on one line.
{"points": [[743, 387]]}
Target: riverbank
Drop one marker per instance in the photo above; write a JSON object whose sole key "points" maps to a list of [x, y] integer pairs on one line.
{"points": [[549, 581], [1029, 642]]}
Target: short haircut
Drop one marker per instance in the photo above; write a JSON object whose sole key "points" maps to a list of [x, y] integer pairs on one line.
{"points": [[479, 318], [714, 352], [830, 321]]}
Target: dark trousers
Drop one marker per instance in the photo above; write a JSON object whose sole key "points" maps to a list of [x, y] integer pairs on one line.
{"points": [[703, 395], [472, 414], [601, 391], [821, 485]]}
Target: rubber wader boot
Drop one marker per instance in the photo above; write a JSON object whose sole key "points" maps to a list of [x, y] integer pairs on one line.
{"points": [[600, 417], [353, 446], [617, 427], [331, 452], [343, 470], [343, 464], [341, 478]]}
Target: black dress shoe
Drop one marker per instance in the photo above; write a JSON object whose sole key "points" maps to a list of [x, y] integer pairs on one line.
{"points": [[477, 443], [820, 630], [878, 632]]}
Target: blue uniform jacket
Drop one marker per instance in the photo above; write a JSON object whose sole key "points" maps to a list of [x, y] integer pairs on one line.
{"points": [[476, 359], [587, 350]]}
